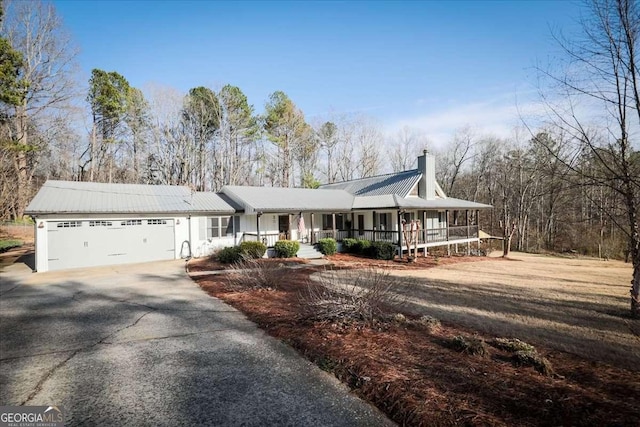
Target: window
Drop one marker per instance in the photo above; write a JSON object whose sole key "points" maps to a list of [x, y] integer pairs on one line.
{"points": [[327, 222], [100, 224], [156, 222], [132, 222], [384, 221], [69, 224], [219, 226]]}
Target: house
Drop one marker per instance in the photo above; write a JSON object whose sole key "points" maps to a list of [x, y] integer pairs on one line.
{"points": [[82, 224]]}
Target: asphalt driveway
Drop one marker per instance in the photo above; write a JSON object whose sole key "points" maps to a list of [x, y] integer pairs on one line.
{"points": [[143, 345]]}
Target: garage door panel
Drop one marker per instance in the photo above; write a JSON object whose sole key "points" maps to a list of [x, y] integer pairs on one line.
{"points": [[94, 243]]}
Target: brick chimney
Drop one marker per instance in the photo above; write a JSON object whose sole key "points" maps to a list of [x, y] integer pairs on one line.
{"points": [[427, 183]]}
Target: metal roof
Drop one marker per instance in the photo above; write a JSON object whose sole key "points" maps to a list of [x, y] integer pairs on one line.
{"points": [[213, 202], [394, 201], [399, 183], [275, 199], [94, 197]]}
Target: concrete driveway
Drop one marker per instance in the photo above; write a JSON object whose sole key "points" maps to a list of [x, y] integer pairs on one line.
{"points": [[143, 345]]}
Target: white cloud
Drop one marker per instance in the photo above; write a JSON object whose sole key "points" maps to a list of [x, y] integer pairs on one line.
{"points": [[498, 116]]}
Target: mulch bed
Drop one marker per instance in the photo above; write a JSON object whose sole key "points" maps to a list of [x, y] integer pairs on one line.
{"points": [[412, 374], [211, 264]]}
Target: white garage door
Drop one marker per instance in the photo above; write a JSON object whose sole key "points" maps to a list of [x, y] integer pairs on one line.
{"points": [[86, 243]]}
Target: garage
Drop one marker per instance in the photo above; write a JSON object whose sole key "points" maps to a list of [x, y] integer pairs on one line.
{"points": [[87, 243]]}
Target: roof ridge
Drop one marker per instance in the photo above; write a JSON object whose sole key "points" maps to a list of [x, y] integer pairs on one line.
{"points": [[372, 177]]}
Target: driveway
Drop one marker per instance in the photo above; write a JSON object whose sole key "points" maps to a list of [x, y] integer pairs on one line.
{"points": [[143, 345]]}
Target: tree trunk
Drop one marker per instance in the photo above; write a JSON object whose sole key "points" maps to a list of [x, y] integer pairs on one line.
{"points": [[21, 161]]}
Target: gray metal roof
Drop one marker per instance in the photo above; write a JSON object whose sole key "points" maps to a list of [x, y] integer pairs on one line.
{"points": [[399, 183], [274, 199], [393, 201], [213, 202], [94, 197]]}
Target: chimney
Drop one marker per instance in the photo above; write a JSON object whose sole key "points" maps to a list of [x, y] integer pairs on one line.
{"points": [[427, 183]]}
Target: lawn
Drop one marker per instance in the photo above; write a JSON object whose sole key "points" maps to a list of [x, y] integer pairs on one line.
{"points": [[414, 374]]}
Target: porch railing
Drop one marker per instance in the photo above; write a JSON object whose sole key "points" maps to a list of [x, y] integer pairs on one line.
{"points": [[269, 239]]}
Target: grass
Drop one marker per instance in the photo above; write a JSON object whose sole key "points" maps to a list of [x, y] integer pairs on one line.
{"points": [[7, 244]]}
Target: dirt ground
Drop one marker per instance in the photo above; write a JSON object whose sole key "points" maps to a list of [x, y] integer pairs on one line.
{"points": [[411, 372]]}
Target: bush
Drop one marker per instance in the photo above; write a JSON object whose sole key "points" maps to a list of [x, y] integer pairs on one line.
{"points": [[382, 250], [6, 245], [512, 345], [469, 345], [363, 295], [532, 358], [253, 250], [229, 255], [251, 274], [362, 247], [286, 248], [327, 246], [349, 245]]}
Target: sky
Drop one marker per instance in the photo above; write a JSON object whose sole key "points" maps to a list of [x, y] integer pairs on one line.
{"points": [[432, 66]]}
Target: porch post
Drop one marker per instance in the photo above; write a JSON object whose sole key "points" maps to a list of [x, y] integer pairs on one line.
{"points": [[478, 226], [289, 234], [313, 233], [399, 234], [258, 215], [448, 245], [466, 216], [374, 226], [333, 225]]}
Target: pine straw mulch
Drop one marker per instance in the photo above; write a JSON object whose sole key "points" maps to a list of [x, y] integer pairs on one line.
{"points": [[211, 264], [412, 374]]}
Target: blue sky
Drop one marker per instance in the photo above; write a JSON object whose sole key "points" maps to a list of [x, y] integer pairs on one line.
{"points": [[429, 65]]}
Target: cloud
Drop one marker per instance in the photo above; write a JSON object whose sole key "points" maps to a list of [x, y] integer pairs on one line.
{"points": [[497, 116]]}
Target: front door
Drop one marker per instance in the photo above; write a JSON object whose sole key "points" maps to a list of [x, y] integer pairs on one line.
{"points": [[283, 227], [360, 225]]}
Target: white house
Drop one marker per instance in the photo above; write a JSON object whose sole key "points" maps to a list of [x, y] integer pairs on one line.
{"points": [[82, 224]]}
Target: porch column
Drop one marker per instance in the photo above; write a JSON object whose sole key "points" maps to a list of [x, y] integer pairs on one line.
{"points": [[353, 225], [290, 235], [478, 226], [313, 234], [400, 234], [258, 215], [333, 225], [448, 245], [375, 225], [466, 220]]}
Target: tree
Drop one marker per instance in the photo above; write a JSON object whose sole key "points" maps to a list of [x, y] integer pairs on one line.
{"points": [[328, 138], [201, 114], [138, 122], [602, 71], [406, 144], [287, 129], [45, 84], [109, 99]]}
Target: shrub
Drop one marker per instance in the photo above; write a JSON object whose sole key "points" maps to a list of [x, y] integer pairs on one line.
{"points": [[286, 248], [352, 296], [469, 345], [532, 358], [229, 255], [249, 274], [327, 246], [362, 247], [349, 245], [382, 250], [512, 345], [429, 322], [253, 250], [6, 245]]}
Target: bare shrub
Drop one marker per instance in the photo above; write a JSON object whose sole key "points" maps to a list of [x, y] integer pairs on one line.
{"points": [[250, 274], [429, 322], [469, 345], [359, 295], [532, 358], [512, 345]]}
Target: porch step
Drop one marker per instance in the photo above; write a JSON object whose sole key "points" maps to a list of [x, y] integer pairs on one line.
{"points": [[308, 251]]}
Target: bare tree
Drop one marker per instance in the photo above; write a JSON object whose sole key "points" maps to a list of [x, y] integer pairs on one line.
{"points": [[34, 29], [602, 71], [405, 147], [454, 158]]}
